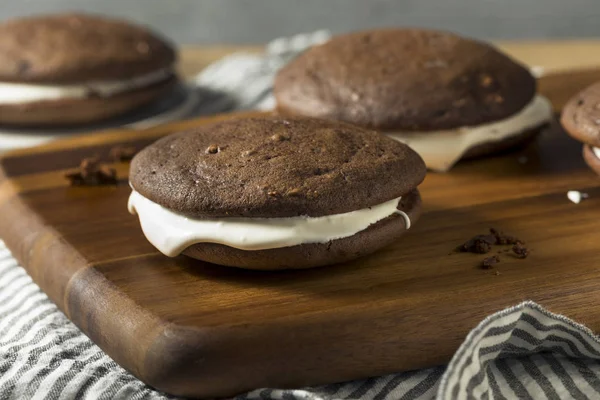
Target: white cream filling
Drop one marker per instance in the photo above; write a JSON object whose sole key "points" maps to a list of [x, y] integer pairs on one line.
{"points": [[21, 93], [442, 149], [576, 196], [171, 233], [596, 151]]}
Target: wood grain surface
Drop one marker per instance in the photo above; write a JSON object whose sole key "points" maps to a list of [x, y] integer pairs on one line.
{"points": [[191, 328]]}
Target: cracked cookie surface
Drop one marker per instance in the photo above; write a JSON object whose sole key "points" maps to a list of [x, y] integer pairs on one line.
{"points": [[275, 167]]}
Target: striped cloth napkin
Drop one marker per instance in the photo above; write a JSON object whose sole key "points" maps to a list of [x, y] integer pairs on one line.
{"points": [[521, 352]]}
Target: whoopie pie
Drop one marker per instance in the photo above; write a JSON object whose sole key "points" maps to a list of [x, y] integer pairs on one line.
{"points": [[581, 119], [275, 193], [71, 69], [446, 96]]}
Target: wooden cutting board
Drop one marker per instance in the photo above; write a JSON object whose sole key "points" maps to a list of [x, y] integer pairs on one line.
{"points": [[191, 328]]}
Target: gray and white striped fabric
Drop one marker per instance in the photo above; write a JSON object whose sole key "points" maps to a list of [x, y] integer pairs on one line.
{"points": [[521, 352]]}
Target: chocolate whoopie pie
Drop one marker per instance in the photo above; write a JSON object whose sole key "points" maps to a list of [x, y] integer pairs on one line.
{"points": [[75, 69], [271, 193], [446, 96], [581, 119]]}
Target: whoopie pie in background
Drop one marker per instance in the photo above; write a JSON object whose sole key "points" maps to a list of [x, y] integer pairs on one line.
{"points": [[446, 96], [581, 119], [76, 69], [271, 193]]}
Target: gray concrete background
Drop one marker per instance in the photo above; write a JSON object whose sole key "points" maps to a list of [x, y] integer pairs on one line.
{"points": [[257, 21]]}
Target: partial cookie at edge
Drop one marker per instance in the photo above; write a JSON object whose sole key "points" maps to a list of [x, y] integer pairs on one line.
{"points": [[581, 116]]}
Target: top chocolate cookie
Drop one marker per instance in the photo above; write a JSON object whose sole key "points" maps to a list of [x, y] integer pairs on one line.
{"points": [[273, 167], [581, 115], [77, 47], [404, 79]]}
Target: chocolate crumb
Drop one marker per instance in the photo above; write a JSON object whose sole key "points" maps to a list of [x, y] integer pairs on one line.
{"points": [[74, 177], [122, 153], [107, 175], [89, 166], [489, 262], [212, 149], [482, 244], [503, 239], [520, 250], [273, 193], [92, 173], [479, 244]]}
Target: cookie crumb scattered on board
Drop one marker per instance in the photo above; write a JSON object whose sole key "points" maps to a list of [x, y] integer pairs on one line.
{"points": [[482, 244], [502, 238], [489, 262], [479, 244], [92, 173], [122, 153], [520, 250]]}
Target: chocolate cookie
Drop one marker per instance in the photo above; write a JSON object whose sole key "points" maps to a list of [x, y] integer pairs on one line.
{"points": [[273, 193], [414, 81], [67, 69], [581, 119]]}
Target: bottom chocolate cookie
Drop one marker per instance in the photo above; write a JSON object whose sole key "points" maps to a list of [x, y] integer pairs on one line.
{"points": [[311, 255], [510, 143], [80, 111], [442, 149]]}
